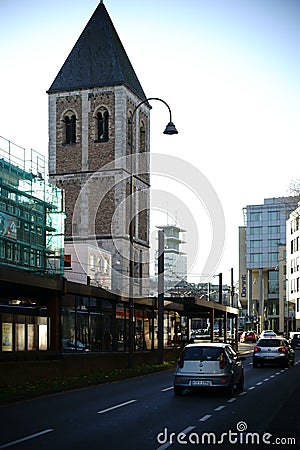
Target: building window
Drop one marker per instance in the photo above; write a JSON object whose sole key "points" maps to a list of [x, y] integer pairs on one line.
{"points": [[273, 282], [256, 244], [273, 215], [129, 120], [70, 129], [142, 138], [255, 231], [136, 272], [67, 261], [255, 217], [92, 262], [102, 125], [256, 258], [273, 258], [275, 229], [273, 307], [26, 256], [273, 243]]}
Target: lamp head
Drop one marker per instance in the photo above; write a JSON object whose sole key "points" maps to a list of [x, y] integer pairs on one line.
{"points": [[170, 129]]}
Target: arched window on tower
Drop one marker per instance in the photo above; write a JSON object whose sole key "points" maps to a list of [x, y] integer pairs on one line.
{"points": [[102, 125], [70, 128]]}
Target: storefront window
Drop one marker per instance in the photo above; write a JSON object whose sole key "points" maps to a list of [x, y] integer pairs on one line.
{"points": [[120, 326], [43, 333], [20, 337], [86, 324], [7, 337], [139, 330], [31, 336]]}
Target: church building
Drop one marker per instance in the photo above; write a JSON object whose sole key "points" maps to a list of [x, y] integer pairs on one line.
{"points": [[92, 103]]}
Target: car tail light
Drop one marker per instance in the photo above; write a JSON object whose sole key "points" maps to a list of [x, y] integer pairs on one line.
{"points": [[180, 363], [257, 349], [282, 350], [223, 363]]}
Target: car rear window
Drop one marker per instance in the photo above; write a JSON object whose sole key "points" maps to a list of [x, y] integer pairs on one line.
{"points": [[270, 343], [202, 354]]}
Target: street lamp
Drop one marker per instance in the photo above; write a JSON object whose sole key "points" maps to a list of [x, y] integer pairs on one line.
{"points": [[170, 129]]}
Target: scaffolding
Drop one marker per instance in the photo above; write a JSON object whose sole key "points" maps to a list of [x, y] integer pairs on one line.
{"points": [[31, 216]]}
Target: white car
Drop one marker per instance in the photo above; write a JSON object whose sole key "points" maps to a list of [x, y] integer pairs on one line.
{"points": [[265, 334]]}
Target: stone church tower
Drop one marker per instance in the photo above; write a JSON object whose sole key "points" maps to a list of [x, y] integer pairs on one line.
{"points": [[91, 104]]}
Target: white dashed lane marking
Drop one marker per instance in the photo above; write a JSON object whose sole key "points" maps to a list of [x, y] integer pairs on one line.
{"points": [[116, 406], [27, 438], [219, 408], [204, 418]]}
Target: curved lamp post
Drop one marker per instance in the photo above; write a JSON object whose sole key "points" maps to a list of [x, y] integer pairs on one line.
{"points": [[170, 129]]}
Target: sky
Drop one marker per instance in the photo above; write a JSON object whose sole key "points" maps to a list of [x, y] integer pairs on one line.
{"points": [[228, 69]]}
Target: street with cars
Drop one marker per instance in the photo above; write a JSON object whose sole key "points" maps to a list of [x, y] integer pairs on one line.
{"points": [[143, 413]]}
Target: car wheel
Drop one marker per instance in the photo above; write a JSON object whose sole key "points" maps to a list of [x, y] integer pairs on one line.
{"points": [[293, 362], [178, 390], [240, 384], [255, 365]]}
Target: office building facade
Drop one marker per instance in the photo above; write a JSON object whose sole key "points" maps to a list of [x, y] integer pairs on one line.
{"points": [[262, 263], [292, 314]]}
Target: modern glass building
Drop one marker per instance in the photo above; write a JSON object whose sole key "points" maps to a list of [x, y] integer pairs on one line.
{"points": [[262, 262], [31, 217]]}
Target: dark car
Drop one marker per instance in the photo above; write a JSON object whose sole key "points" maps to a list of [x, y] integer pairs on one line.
{"points": [[273, 351], [211, 365], [295, 341]]}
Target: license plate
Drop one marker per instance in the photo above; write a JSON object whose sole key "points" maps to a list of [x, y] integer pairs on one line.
{"points": [[200, 382]]}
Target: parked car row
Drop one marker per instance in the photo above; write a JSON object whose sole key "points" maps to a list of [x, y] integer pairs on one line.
{"points": [[217, 365]]}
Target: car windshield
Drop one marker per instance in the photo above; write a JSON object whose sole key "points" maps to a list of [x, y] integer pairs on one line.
{"points": [[202, 353], [270, 343]]}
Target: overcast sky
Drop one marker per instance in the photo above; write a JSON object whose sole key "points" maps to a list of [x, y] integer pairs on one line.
{"points": [[229, 70]]}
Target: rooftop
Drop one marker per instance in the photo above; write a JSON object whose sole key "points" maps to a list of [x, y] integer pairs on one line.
{"points": [[97, 59]]}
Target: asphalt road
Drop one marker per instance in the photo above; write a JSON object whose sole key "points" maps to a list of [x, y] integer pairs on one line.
{"points": [[143, 413]]}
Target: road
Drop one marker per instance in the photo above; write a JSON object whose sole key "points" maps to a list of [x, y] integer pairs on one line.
{"points": [[143, 413]]}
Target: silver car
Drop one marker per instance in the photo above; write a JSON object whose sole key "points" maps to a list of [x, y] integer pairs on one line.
{"points": [[273, 351], [209, 365]]}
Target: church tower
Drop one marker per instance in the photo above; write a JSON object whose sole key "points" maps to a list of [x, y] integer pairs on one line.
{"points": [[91, 157]]}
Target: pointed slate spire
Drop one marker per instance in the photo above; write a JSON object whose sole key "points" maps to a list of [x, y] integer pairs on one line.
{"points": [[97, 59]]}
